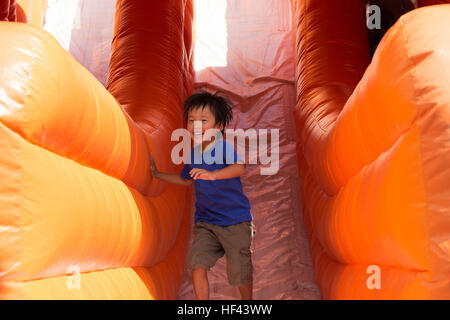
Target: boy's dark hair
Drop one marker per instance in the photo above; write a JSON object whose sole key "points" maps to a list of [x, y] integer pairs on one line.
{"points": [[219, 105]]}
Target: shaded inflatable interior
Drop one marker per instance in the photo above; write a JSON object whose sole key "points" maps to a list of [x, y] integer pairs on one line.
{"points": [[373, 152]]}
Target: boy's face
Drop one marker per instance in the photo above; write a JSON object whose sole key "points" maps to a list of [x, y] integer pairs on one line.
{"points": [[199, 120]]}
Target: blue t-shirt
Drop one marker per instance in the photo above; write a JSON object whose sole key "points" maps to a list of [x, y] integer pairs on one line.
{"points": [[222, 201]]}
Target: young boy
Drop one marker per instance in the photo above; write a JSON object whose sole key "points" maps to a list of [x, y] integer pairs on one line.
{"points": [[223, 221]]}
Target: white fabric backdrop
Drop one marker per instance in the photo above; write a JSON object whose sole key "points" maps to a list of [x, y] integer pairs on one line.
{"points": [[85, 28]]}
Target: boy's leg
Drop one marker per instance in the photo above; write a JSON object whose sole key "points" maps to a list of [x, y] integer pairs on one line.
{"points": [[200, 282], [237, 240], [246, 291], [202, 255]]}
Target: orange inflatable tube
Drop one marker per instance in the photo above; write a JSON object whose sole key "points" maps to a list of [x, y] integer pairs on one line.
{"points": [[27, 11], [8, 10], [80, 202], [373, 150]]}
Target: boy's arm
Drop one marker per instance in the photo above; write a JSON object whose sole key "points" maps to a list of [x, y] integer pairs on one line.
{"points": [[232, 171], [172, 178], [235, 169], [167, 177]]}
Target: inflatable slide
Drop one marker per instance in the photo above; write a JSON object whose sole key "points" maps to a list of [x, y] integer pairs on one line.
{"points": [[373, 147], [78, 202], [360, 205]]}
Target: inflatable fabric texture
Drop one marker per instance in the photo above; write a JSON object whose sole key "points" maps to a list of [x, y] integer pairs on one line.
{"points": [[31, 11], [263, 94], [8, 10], [151, 79], [81, 217], [80, 205], [374, 151], [85, 29], [423, 3]]}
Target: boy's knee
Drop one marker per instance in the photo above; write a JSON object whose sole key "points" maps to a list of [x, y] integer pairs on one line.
{"points": [[199, 270]]}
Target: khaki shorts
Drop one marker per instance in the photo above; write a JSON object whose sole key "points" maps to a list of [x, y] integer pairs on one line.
{"points": [[212, 241]]}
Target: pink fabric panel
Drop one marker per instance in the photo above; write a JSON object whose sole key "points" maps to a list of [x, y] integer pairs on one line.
{"points": [[257, 73]]}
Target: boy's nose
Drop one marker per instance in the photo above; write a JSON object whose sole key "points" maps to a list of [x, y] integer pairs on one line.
{"points": [[198, 129]]}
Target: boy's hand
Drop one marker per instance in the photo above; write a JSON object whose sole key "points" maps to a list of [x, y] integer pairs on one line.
{"points": [[153, 169], [202, 174]]}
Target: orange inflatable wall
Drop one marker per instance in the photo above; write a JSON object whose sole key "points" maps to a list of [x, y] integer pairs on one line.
{"points": [[80, 216], [8, 10], [27, 11], [374, 151], [31, 11]]}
